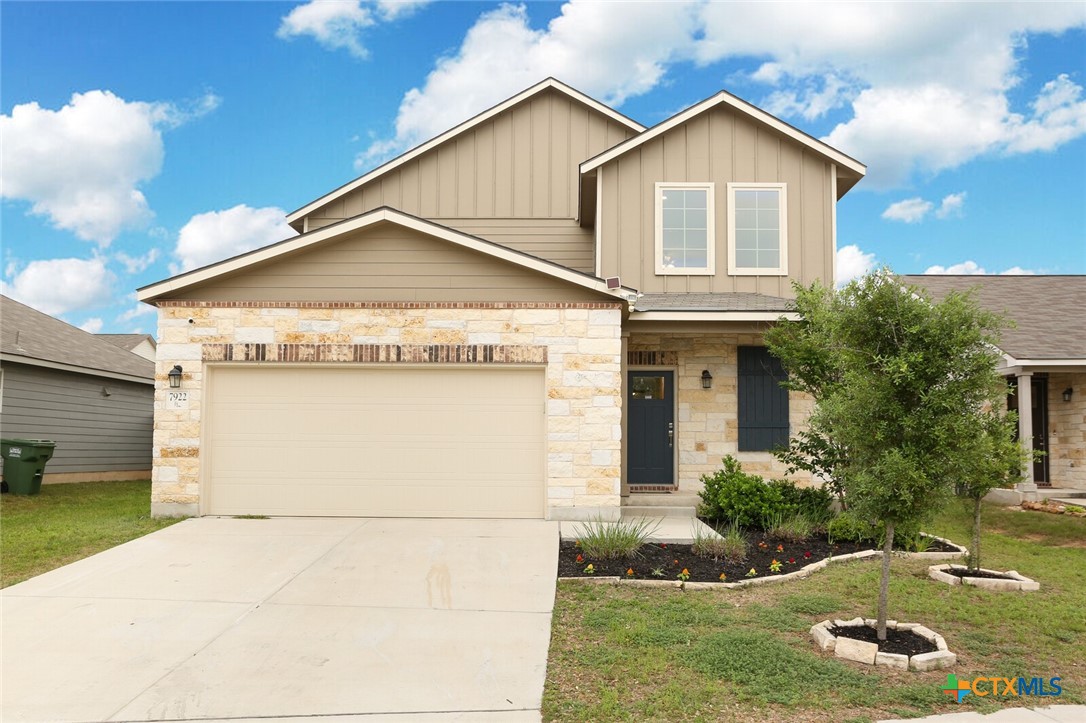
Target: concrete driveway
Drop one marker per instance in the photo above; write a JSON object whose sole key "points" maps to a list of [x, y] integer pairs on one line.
{"points": [[361, 619]]}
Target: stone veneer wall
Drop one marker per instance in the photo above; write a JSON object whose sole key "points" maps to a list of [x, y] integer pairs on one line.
{"points": [[1067, 431], [707, 419], [580, 343]]}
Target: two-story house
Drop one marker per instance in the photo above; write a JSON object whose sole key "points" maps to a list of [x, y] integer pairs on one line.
{"points": [[529, 315]]}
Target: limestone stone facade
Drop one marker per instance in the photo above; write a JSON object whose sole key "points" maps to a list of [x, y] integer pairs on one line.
{"points": [[707, 419], [1067, 430], [579, 344]]}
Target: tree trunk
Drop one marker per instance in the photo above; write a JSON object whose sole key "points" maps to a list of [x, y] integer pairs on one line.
{"points": [[974, 554], [884, 584]]}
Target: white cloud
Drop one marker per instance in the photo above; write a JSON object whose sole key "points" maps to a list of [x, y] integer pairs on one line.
{"points": [[81, 166], [928, 89], [911, 210], [338, 24], [609, 50], [951, 205], [136, 264], [92, 325], [135, 312], [58, 286], [972, 268], [217, 235], [853, 263]]}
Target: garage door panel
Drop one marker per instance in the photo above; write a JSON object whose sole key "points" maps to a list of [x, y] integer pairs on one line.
{"points": [[377, 442]]}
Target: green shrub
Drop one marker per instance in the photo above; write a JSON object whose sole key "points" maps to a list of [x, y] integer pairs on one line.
{"points": [[847, 527], [730, 546], [613, 540], [750, 501]]}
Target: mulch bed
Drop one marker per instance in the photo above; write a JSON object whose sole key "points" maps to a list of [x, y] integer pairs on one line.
{"points": [[962, 572], [659, 561], [902, 642]]}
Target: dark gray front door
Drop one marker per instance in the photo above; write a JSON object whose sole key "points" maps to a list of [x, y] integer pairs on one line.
{"points": [[650, 427]]}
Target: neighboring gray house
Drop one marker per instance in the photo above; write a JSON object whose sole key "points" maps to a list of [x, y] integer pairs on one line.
{"points": [[141, 344], [1044, 357], [94, 399]]}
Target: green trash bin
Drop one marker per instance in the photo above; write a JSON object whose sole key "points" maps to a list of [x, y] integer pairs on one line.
{"points": [[24, 463]]}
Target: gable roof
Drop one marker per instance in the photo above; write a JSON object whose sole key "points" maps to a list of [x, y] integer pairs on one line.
{"points": [[1047, 311], [549, 84], [127, 342], [383, 214], [849, 170], [28, 336]]}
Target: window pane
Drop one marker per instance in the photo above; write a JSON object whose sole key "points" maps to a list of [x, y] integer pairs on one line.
{"points": [[671, 199], [769, 259], [696, 260], [673, 238], [768, 200], [696, 219], [695, 199], [746, 240], [769, 219], [769, 240], [746, 259], [746, 219], [673, 218], [647, 388], [746, 200], [696, 239]]}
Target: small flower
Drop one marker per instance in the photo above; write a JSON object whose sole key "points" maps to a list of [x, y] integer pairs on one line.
{"points": [[663, 545], [723, 576], [684, 575], [775, 566], [762, 545], [780, 548], [629, 572], [791, 561], [576, 543], [807, 555], [752, 572], [675, 562], [580, 558], [590, 570]]}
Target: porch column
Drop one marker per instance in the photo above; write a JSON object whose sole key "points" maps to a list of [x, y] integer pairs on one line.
{"points": [[1028, 487], [625, 485]]}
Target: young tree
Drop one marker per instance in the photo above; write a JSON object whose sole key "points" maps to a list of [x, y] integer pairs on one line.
{"points": [[903, 382], [997, 461]]}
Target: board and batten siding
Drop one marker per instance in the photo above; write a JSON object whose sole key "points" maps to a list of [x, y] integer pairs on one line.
{"points": [[512, 180], [386, 262], [719, 146], [93, 432]]}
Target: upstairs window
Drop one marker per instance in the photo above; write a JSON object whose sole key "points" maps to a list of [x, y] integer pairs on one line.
{"points": [[757, 229], [684, 229]]}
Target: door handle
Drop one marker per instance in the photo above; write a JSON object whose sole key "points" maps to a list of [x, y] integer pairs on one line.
{"points": [[671, 434]]}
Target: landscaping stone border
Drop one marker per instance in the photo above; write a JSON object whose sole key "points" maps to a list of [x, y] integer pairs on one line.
{"points": [[797, 574], [868, 653], [1019, 583]]}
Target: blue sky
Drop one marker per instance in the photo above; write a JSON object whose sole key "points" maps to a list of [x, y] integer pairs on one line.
{"points": [[141, 139]]}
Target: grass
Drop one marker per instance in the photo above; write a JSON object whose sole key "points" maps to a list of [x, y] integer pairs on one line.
{"points": [[613, 540], [625, 653], [68, 522]]}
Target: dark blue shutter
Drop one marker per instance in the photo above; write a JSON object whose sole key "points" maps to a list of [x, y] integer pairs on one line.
{"points": [[763, 402]]}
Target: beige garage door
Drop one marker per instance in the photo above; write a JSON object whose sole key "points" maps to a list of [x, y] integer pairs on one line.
{"points": [[376, 441]]}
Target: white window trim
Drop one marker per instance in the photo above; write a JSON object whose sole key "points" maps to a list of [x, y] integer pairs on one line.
{"points": [[781, 270], [710, 231]]}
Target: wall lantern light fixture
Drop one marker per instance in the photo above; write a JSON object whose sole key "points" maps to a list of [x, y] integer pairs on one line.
{"points": [[1067, 394], [175, 376], [706, 380]]}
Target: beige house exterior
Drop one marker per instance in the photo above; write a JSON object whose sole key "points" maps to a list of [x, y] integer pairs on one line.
{"points": [[538, 314], [1044, 359]]}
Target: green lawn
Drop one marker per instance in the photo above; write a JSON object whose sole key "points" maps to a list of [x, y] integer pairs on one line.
{"points": [[67, 522], [622, 653]]}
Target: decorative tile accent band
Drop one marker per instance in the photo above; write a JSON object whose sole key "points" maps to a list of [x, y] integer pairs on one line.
{"points": [[390, 304], [377, 353], [652, 358], [653, 488]]}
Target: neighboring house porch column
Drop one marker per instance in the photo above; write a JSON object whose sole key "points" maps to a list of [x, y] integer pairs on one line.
{"points": [[1027, 487]]}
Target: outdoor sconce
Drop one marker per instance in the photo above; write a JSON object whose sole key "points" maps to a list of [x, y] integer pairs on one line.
{"points": [[706, 380], [175, 377], [1067, 394]]}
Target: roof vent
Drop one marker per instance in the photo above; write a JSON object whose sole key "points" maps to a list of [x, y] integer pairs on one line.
{"points": [[613, 282]]}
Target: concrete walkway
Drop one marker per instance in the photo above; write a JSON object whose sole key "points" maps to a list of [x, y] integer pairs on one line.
{"points": [[214, 618], [672, 530], [1043, 714]]}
